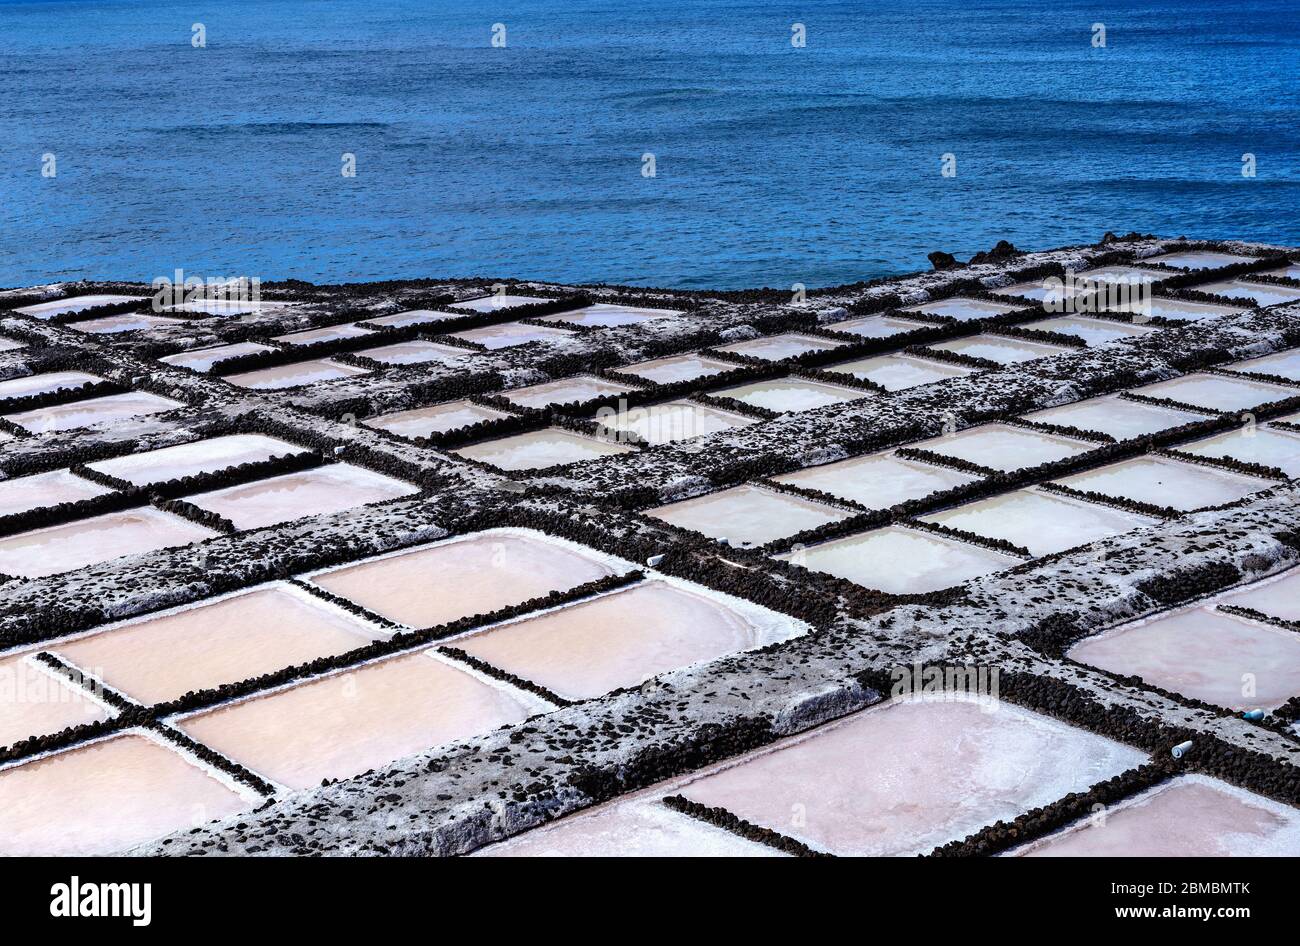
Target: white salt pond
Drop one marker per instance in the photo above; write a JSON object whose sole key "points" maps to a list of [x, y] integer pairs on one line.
{"points": [[609, 315], [36, 700], [10, 344], [1267, 446], [1036, 289], [225, 307], [496, 303], [897, 372], [1039, 521], [878, 326], [625, 637], [677, 368], [1204, 654], [161, 658], [437, 419], [788, 395], [748, 514], [1277, 597], [1005, 351], [1157, 307], [97, 410], [293, 375], [329, 333], [47, 310], [1164, 482], [112, 324], [24, 493], [1121, 274], [510, 334], [202, 359], [106, 797], [1114, 415], [47, 383], [901, 561], [1291, 271], [1261, 294], [63, 548], [475, 574], [417, 351], [564, 391], [1189, 816], [1282, 364], [778, 347], [191, 459], [1092, 331], [344, 724], [908, 776], [1217, 392], [411, 317], [673, 420], [963, 310], [539, 449], [320, 491], [1003, 447], [1198, 259], [878, 481]]}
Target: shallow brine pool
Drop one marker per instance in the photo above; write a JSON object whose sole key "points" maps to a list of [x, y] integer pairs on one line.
{"points": [[963, 310], [1005, 351], [93, 411], [564, 391], [46, 383], [878, 481], [291, 376], [1003, 447], [1092, 331], [878, 326], [436, 419], [748, 514], [609, 315], [898, 372], [1217, 392], [36, 700], [678, 368], [329, 333], [672, 421], [789, 395], [1198, 259], [202, 359], [1114, 415], [191, 459], [778, 347], [45, 489], [1157, 307], [112, 324], [511, 334], [1163, 482], [411, 317], [1261, 294], [540, 449], [496, 303], [1282, 364], [1267, 446], [415, 352], [47, 310]]}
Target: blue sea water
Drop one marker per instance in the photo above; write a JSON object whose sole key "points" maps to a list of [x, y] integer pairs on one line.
{"points": [[774, 164]]}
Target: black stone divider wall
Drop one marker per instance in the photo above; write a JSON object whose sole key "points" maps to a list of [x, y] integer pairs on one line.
{"points": [[1260, 616], [15, 405], [953, 358], [970, 538], [43, 517], [496, 673], [1230, 464], [724, 819], [97, 312], [187, 510], [213, 758]]}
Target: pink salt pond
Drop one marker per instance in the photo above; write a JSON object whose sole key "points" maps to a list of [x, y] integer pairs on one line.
{"points": [[158, 659], [92, 412], [539, 449], [1266, 446], [877, 326], [1189, 816], [748, 514], [37, 701], [294, 375], [677, 368], [476, 574], [672, 421], [1278, 597], [106, 797], [344, 724], [47, 310], [963, 310], [1092, 331], [495, 303], [192, 459], [623, 638], [415, 352], [111, 325], [564, 391], [1217, 392], [1163, 482], [316, 492], [329, 333], [1005, 351], [1204, 654], [202, 359], [1006, 448], [907, 777], [436, 419], [608, 315], [412, 317], [878, 481], [25, 493], [898, 372], [510, 334], [47, 383], [73, 545], [1120, 418], [778, 347], [790, 395]]}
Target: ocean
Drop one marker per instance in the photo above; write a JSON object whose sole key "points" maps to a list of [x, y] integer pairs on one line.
{"points": [[773, 163]]}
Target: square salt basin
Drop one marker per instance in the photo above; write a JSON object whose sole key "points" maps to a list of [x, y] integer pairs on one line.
{"points": [[510, 334], [88, 413], [25, 493], [675, 420], [901, 561], [623, 638], [1282, 364], [564, 391], [1266, 446], [963, 310], [1040, 521], [106, 797], [344, 724], [293, 375], [47, 310], [1189, 816], [898, 372], [1163, 482], [1005, 351], [678, 368], [1261, 294], [497, 303], [1203, 654], [1278, 597], [778, 347], [1198, 259], [437, 419], [1157, 307], [748, 514], [329, 333], [1006, 448], [415, 352], [223, 307], [878, 481], [540, 449], [787, 395], [202, 359], [1290, 271], [1092, 331], [909, 776], [321, 491], [10, 344], [38, 701], [192, 459], [56, 549], [1123, 274], [47, 383], [607, 315], [412, 317], [1116, 416], [1218, 393], [198, 647], [477, 574], [877, 326], [111, 325]]}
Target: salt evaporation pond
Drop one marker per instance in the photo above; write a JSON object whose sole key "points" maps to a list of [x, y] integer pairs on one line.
{"points": [[963, 310], [1092, 331], [878, 326], [202, 359], [1156, 307], [1217, 392], [609, 315], [510, 334], [1198, 259], [192, 459], [411, 317], [677, 368], [291, 376], [1282, 364], [496, 303], [93, 411], [1005, 351], [328, 333], [47, 383], [564, 391], [415, 352], [790, 395], [316, 492], [25, 493], [778, 347], [1006, 448], [1267, 446], [1261, 294], [1164, 482], [112, 324], [62, 548], [1117, 416], [47, 310], [1278, 597], [10, 344], [673, 420], [878, 481], [539, 449], [436, 419], [36, 700], [899, 372], [748, 514]]}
